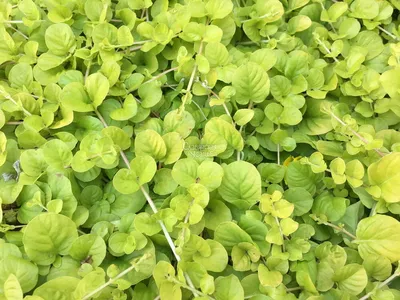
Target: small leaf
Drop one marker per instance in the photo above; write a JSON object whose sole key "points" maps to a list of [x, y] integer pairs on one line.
{"points": [[243, 116], [269, 278], [352, 278], [379, 235], [251, 83]]}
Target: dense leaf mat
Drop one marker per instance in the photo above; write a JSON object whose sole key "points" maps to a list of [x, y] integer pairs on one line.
{"points": [[199, 149]]}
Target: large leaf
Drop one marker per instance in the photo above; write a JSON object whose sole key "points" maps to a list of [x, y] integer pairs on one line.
{"points": [[228, 288], [241, 184], [251, 83], [47, 236], [379, 235], [384, 176]]}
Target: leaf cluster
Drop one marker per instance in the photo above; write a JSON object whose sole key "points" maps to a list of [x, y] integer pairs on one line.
{"points": [[199, 149]]}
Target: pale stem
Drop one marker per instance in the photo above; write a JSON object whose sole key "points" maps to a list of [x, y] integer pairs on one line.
{"points": [[150, 202], [164, 229], [388, 33], [101, 118], [252, 43], [192, 289], [14, 123], [373, 209], [14, 22], [135, 48], [201, 111], [186, 275], [283, 237], [188, 213], [160, 75], [88, 69], [356, 134], [190, 282], [239, 153], [384, 283], [8, 97], [326, 48], [341, 229], [17, 226], [125, 159], [226, 110], [330, 23], [299, 288], [223, 104], [141, 42], [19, 32], [112, 280], [267, 15], [191, 80], [279, 154]]}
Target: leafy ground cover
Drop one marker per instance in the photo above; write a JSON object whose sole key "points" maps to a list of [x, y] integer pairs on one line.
{"points": [[199, 149]]}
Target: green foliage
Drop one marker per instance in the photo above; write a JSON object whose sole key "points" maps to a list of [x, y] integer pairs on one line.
{"points": [[199, 149]]}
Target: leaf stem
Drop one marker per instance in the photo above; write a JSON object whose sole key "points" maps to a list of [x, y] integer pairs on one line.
{"points": [[141, 42], [226, 110], [14, 123], [88, 69], [299, 288], [239, 153], [101, 118], [381, 285], [280, 230], [253, 43], [120, 275], [13, 22], [164, 229], [373, 209], [330, 23], [135, 48], [152, 206], [143, 13], [8, 97], [201, 111], [168, 237], [278, 153], [19, 32], [192, 289], [341, 229], [223, 104], [388, 33], [160, 75], [356, 134], [191, 80], [326, 48]]}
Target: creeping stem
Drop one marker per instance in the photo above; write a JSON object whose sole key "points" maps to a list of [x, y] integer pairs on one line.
{"points": [[152, 206]]}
